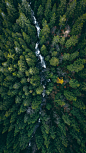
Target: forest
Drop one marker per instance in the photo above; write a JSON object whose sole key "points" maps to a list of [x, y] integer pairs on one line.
{"points": [[29, 121]]}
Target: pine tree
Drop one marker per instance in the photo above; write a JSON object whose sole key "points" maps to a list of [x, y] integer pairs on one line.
{"points": [[39, 139], [52, 20], [48, 10], [44, 50], [71, 42], [74, 83], [45, 31], [54, 61], [69, 95], [75, 67], [40, 13], [77, 27], [11, 10], [70, 9], [61, 8]]}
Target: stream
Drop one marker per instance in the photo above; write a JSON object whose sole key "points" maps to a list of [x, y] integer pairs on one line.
{"points": [[42, 68], [41, 65]]}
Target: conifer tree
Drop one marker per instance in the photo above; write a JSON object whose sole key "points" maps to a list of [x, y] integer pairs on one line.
{"points": [[48, 10]]}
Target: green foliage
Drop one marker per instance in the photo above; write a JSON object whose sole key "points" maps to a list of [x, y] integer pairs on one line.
{"points": [[48, 10], [74, 55], [16, 86], [44, 50], [36, 103], [66, 56], [56, 39], [12, 12], [30, 59], [33, 70], [74, 83], [69, 95], [39, 90], [79, 104], [43, 40], [22, 109], [23, 144], [75, 125], [60, 102], [52, 132], [23, 22], [40, 12], [77, 27], [62, 41], [17, 100], [62, 20], [54, 53], [66, 119], [52, 20], [71, 42], [39, 140], [83, 86], [21, 64], [26, 102], [13, 117], [23, 80], [61, 128], [54, 61], [49, 88], [61, 8], [82, 73], [35, 80], [77, 65], [23, 7], [26, 37], [45, 31], [71, 8], [54, 8], [46, 143], [64, 141], [48, 106]]}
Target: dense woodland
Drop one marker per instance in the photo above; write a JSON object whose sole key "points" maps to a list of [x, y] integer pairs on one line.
{"points": [[63, 45]]}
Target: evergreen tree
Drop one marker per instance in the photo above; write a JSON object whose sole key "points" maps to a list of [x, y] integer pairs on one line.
{"points": [[75, 67], [48, 10]]}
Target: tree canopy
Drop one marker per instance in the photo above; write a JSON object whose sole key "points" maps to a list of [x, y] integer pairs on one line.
{"points": [[43, 110]]}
